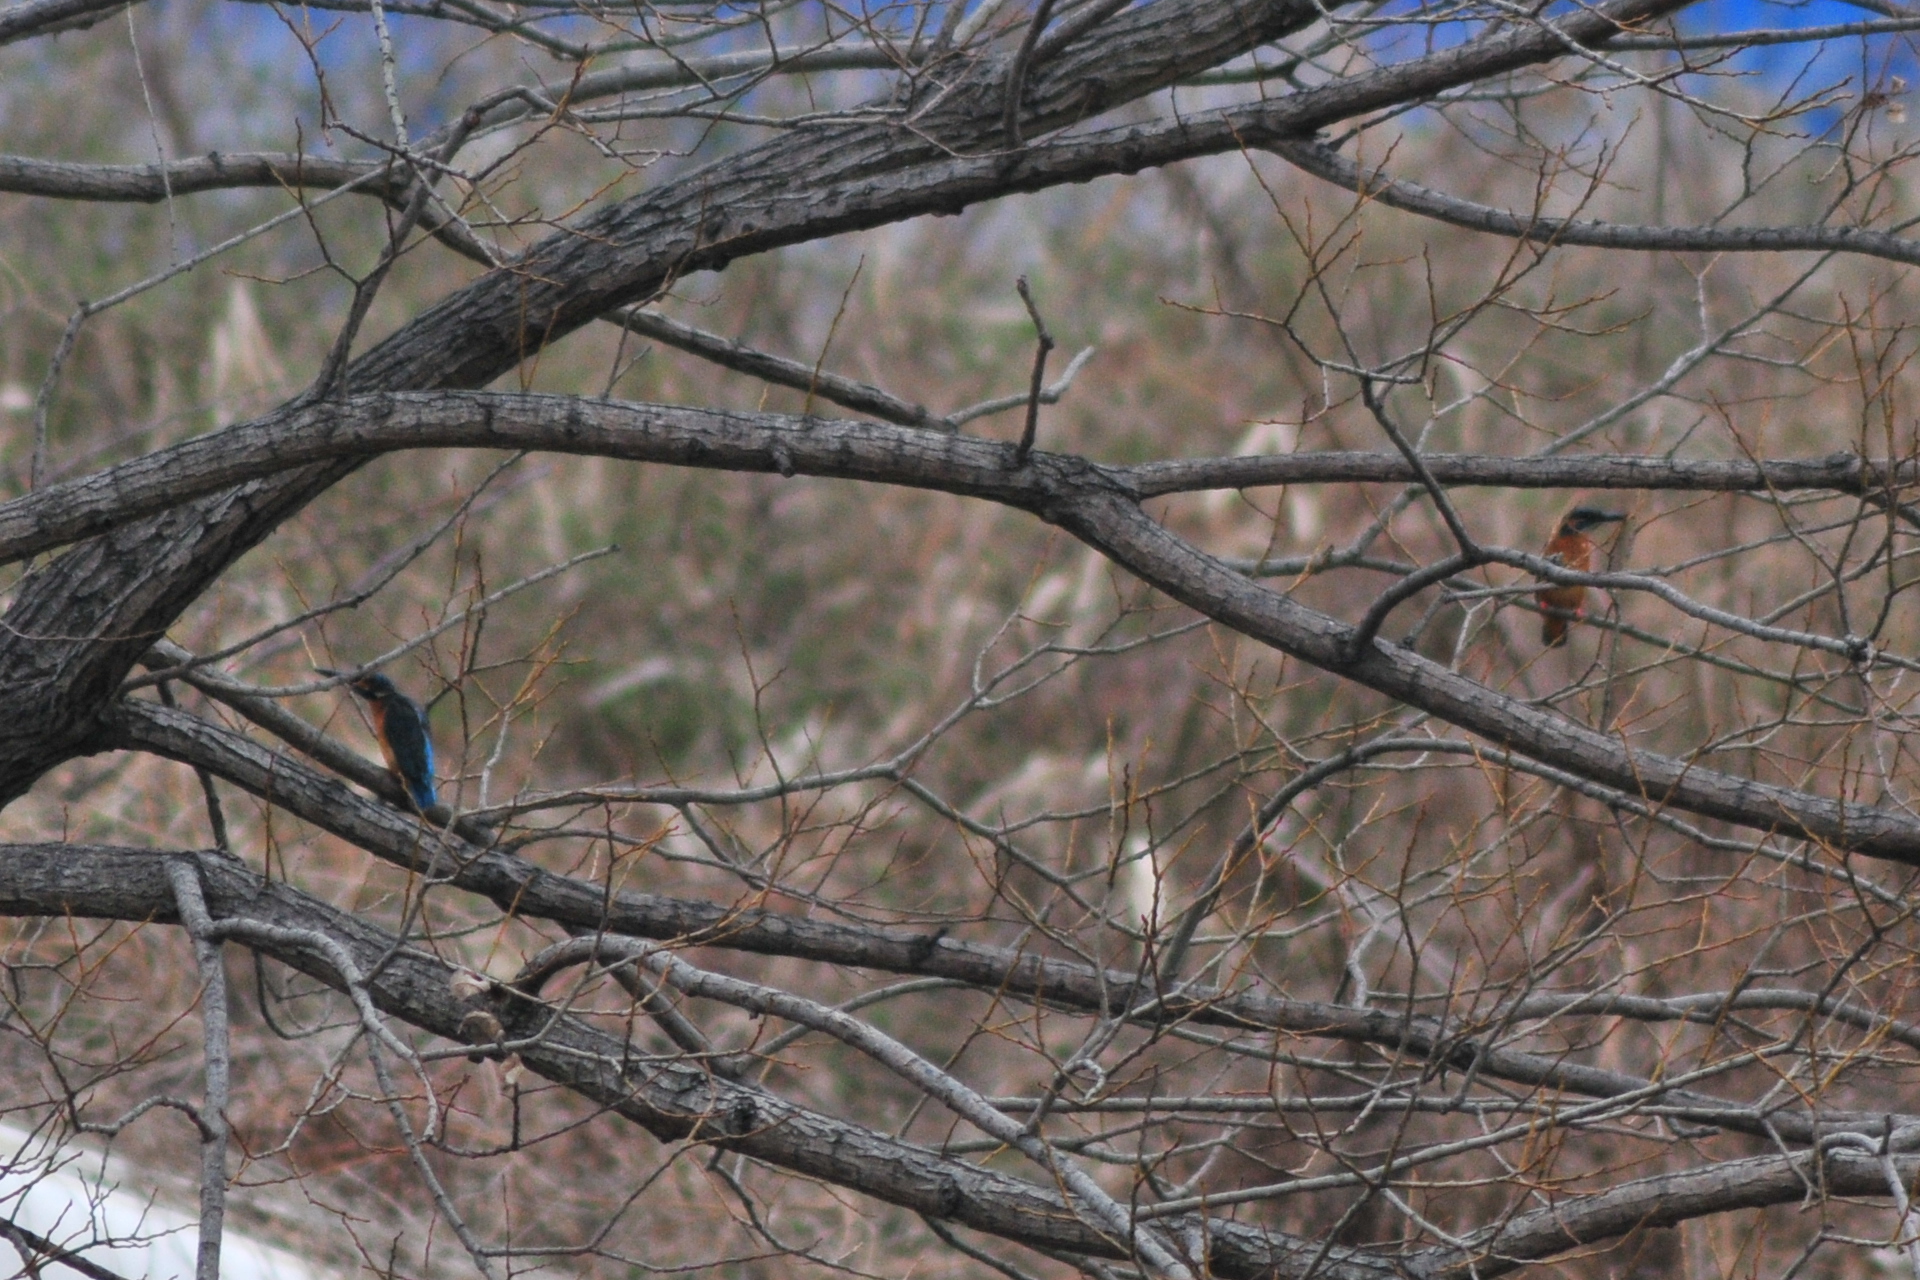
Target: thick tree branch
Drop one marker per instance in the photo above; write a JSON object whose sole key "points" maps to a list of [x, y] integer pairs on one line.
{"points": [[677, 1102], [363, 426], [77, 626], [520, 887], [1837, 472], [1118, 527], [216, 171], [858, 176], [1096, 505], [1664, 1200], [673, 1101], [44, 17]]}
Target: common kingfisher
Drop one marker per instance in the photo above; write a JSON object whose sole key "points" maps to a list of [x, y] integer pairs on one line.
{"points": [[401, 725], [1571, 548]]}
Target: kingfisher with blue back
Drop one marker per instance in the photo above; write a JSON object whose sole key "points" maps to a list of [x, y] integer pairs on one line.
{"points": [[400, 724], [1571, 547]]}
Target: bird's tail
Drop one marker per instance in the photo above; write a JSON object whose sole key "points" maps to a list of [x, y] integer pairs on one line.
{"points": [[1553, 631]]}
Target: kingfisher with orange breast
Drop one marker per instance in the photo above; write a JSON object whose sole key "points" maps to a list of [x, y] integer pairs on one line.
{"points": [[400, 724], [1571, 547]]}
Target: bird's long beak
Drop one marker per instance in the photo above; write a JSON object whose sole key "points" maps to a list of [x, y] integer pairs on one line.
{"points": [[326, 671]]}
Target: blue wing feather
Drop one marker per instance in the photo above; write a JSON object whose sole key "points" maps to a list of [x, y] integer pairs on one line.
{"points": [[406, 737]]}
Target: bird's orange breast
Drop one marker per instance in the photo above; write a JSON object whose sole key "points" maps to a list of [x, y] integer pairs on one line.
{"points": [[1574, 550], [379, 710]]}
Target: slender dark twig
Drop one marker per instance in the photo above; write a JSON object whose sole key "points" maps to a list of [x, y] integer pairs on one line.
{"points": [[1044, 345], [1017, 74], [216, 816], [332, 373], [31, 1243], [1413, 584]]}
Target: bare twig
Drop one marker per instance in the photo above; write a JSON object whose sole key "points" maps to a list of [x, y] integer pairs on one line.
{"points": [[1050, 395], [36, 1250], [1043, 344], [1017, 74], [214, 1134], [858, 396], [1156, 1254]]}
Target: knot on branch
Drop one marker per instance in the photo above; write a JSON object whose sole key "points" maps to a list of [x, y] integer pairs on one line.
{"points": [[924, 945], [1850, 465]]}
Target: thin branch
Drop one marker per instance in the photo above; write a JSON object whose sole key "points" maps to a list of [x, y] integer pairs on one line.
{"points": [[1095, 506], [916, 1070], [183, 875], [858, 396], [216, 814], [675, 1102], [34, 1248], [1841, 472], [1325, 163], [1048, 395], [360, 426], [521, 887], [1017, 73], [216, 171], [1043, 345]]}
